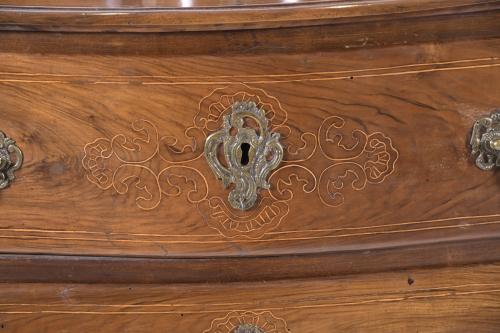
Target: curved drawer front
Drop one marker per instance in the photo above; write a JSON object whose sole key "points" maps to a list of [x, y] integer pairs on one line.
{"points": [[461, 299], [375, 151]]}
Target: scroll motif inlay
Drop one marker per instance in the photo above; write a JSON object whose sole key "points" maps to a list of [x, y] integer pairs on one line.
{"points": [[122, 164], [248, 322], [369, 160], [150, 166]]}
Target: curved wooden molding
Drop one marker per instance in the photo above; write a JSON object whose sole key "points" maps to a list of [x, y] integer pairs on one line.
{"points": [[20, 268], [169, 15]]}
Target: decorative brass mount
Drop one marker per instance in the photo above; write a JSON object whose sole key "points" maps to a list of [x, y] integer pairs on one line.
{"points": [[8, 149], [485, 141], [250, 155], [248, 328]]}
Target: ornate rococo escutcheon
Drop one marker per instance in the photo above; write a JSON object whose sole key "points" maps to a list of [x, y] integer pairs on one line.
{"points": [[485, 141], [8, 165], [250, 154]]}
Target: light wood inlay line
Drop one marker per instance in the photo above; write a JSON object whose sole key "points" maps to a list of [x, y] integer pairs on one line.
{"points": [[208, 82], [33, 230], [253, 240], [173, 305], [257, 75], [404, 298]]}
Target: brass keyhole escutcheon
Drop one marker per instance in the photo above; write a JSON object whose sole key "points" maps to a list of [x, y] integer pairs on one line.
{"points": [[250, 154]]}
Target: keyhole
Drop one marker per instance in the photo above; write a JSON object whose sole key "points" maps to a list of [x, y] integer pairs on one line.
{"points": [[245, 148]]}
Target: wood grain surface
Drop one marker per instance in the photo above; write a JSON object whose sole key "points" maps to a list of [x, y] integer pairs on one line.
{"points": [[209, 15], [445, 300], [375, 116], [416, 104], [377, 220], [38, 268]]}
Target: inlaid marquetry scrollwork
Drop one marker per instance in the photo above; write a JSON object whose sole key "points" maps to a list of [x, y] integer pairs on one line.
{"points": [[149, 167], [97, 153], [179, 180], [139, 181], [103, 156], [299, 147], [358, 159], [219, 102], [173, 149], [248, 322], [230, 224], [284, 180], [123, 163]]}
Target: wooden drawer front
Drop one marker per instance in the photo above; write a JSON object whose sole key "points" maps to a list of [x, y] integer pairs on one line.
{"points": [[446, 300], [376, 151]]}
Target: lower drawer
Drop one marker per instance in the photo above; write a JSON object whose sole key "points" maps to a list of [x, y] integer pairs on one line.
{"points": [[462, 299]]}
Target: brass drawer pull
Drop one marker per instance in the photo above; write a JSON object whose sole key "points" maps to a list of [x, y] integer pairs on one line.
{"points": [[485, 140], [8, 150], [249, 155]]}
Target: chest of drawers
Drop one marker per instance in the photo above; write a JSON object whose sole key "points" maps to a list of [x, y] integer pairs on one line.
{"points": [[311, 166]]}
